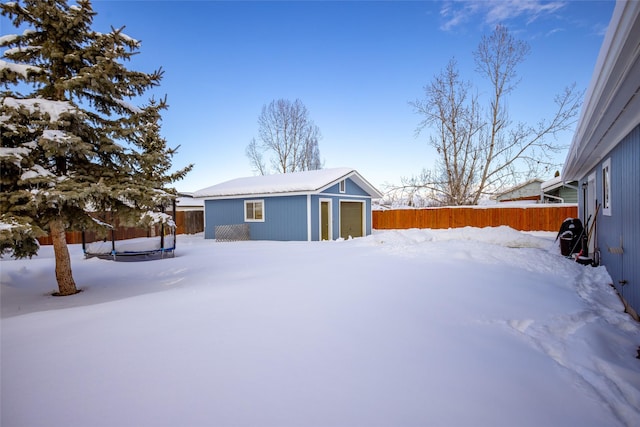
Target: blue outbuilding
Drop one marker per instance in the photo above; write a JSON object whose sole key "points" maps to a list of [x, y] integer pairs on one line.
{"points": [[324, 204]]}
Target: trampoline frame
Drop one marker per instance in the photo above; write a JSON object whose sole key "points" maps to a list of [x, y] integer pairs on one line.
{"points": [[143, 255]]}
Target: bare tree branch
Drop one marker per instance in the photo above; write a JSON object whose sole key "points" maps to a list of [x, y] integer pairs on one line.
{"points": [[286, 132], [480, 150], [255, 157]]}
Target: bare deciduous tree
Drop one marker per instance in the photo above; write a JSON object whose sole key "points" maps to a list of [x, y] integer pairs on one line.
{"points": [[480, 151], [286, 132], [453, 112]]}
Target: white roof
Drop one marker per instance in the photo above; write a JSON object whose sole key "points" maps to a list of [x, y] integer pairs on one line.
{"points": [[286, 183], [189, 201], [520, 186], [556, 182]]}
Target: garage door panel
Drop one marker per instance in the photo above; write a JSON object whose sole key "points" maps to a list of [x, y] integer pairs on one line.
{"points": [[351, 219]]}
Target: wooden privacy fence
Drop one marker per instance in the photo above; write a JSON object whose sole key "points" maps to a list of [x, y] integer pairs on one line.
{"points": [[187, 222], [524, 218]]}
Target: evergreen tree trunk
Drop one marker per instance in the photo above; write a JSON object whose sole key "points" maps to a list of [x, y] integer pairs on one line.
{"points": [[66, 284]]}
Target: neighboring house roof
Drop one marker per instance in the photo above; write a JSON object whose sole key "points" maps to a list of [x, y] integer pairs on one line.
{"points": [[307, 182], [611, 107], [189, 202], [557, 182], [558, 190], [529, 188], [185, 201]]}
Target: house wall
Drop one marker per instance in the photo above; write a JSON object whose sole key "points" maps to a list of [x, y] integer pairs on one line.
{"points": [[286, 216], [354, 190], [335, 214], [569, 195], [530, 191], [618, 234], [352, 193], [351, 189]]}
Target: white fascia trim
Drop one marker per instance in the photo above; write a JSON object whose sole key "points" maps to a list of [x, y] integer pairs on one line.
{"points": [[257, 195], [359, 181], [343, 195], [335, 181], [268, 195], [308, 217]]}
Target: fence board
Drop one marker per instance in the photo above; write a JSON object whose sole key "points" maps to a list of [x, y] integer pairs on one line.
{"points": [[187, 222], [525, 218]]}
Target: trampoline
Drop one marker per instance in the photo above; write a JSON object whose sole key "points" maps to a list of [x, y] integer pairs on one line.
{"points": [[147, 248], [137, 249]]}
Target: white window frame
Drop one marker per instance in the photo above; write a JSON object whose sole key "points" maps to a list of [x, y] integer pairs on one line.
{"points": [[606, 187], [246, 211], [343, 186]]}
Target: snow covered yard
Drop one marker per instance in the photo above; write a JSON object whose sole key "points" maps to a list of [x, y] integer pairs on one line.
{"points": [[482, 327]]}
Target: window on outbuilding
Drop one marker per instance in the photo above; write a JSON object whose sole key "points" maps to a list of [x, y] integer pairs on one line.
{"points": [[606, 187], [343, 186], [254, 210]]}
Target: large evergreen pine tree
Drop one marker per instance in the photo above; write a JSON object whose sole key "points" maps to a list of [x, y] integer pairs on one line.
{"points": [[75, 143]]}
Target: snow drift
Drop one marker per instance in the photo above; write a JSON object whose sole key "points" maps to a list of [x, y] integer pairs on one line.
{"points": [[484, 327]]}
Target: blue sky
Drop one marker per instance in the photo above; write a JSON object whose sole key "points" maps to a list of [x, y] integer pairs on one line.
{"points": [[355, 65]]}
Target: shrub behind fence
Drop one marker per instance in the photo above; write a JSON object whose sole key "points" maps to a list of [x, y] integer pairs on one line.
{"points": [[543, 217]]}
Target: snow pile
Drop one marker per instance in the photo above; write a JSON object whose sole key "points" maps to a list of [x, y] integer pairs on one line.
{"points": [[485, 327], [502, 236]]}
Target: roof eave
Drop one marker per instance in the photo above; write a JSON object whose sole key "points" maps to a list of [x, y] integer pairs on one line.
{"points": [[359, 180], [349, 173], [612, 104]]}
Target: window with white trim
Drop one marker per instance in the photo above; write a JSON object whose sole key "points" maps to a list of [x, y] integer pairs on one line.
{"points": [[254, 210], [606, 187], [343, 186]]}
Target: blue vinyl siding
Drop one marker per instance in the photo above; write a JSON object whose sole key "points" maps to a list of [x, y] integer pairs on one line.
{"points": [[622, 227], [315, 216], [630, 174], [351, 188], [285, 217], [569, 195], [352, 192], [335, 215], [222, 212]]}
